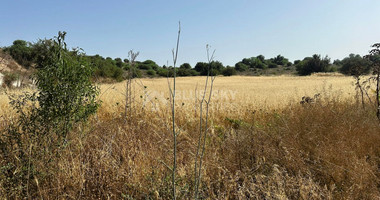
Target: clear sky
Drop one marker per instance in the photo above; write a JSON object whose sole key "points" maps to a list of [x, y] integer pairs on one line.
{"points": [[235, 28]]}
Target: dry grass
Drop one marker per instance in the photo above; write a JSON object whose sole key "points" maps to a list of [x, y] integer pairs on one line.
{"points": [[262, 144], [237, 91]]}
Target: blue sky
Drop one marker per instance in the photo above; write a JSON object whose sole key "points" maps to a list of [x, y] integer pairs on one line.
{"points": [[236, 29]]}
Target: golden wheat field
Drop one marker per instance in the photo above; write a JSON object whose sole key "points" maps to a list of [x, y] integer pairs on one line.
{"points": [[234, 92]]}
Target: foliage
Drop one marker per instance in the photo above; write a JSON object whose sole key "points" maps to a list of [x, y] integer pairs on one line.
{"points": [[355, 65], [229, 71], [66, 94], [31, 144], [106, 68], [151, 72], [185, 66], [147, 65], [313, 64], [279, 60], [22, 52], [272, 65], [202, 68], [241, 67], [254, 62]]}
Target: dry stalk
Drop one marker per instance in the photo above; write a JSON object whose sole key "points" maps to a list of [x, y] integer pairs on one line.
{"points": [[128, 88], [172, 95], [197, 172]]}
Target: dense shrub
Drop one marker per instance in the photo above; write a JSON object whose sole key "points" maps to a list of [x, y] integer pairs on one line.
{"points": [[313, 64], [30, 146], [185, 66], [151, 72], [280, 60], [272, 65], [147, 65], [22, 52], [355, 65], [202, 68], [241, 67], [229, 71]]}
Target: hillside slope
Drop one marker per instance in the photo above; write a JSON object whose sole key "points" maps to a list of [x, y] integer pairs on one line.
{"points": [[9, 65]]}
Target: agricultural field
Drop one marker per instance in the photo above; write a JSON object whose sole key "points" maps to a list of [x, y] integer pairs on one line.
{"points": [[261, 143], [236, 92]]}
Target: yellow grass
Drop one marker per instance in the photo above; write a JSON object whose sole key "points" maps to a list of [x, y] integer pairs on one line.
{"points": [[236, 91]]}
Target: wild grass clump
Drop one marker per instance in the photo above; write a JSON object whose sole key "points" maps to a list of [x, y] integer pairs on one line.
{"points": [[326, 149]]}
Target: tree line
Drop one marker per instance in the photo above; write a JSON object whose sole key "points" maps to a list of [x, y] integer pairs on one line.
{"points": [[30, 55]]}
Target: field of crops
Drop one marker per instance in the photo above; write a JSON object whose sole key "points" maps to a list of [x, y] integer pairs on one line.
{"points": [[236, 92]]}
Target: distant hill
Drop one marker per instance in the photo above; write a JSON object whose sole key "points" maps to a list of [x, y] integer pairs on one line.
{"points": [[9, 67], [8, 64]]}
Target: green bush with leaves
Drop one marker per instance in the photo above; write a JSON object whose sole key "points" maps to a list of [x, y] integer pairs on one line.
{"points": [[151, 72], [65, 96], [314, 64], [22, 52], [229, 71], [241, 67], [355, 65]]}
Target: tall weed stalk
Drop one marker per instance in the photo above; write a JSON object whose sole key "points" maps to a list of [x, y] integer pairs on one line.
{"points": [[203, 132]]}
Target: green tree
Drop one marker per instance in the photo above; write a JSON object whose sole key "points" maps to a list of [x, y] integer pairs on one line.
{"points": [[241, 67], [313, 64], [22, 52], [355, 65], [201, 67], [119, 62], [185, 66], [280, 60], [261, 58], [229, 71], [185, 70], [148, 64]]}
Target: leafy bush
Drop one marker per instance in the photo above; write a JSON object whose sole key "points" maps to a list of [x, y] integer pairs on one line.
{"points": [[355, 65], [184, 72], [272, 65], [229, 71], [185, 66], [66, 94], [201, 67], [30, 146], [147, 65], [151, 72], [216, 68], [22, 52], [280, 60], [313, 64], [241, 67]]}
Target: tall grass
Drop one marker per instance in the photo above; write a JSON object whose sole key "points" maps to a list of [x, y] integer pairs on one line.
{"points": [[323, 150]]}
